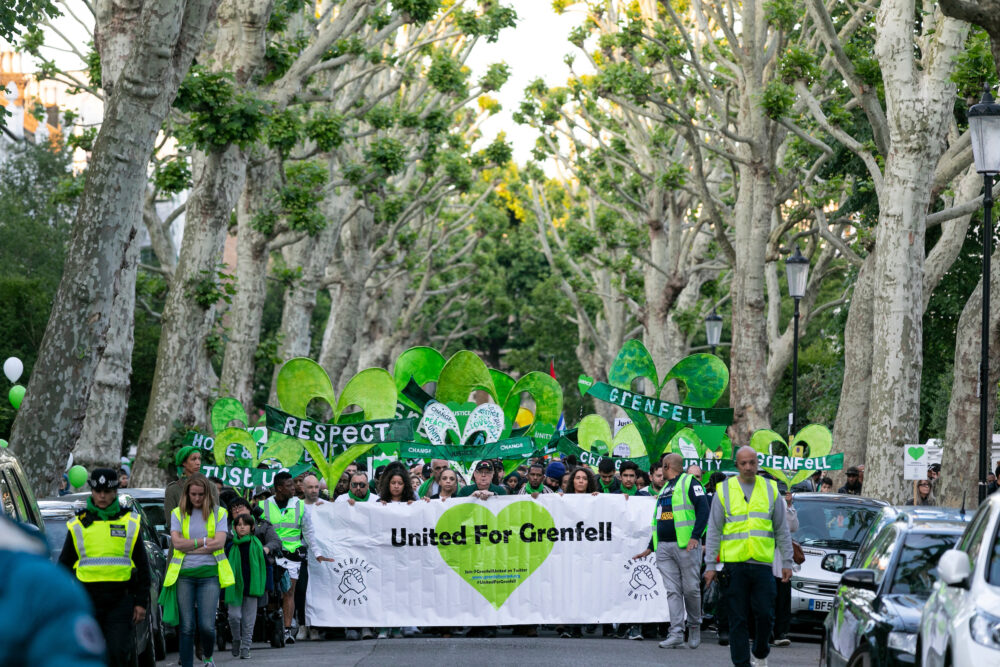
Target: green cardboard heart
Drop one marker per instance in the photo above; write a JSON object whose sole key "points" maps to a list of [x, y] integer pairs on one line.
{"points": [[594, 431], [814, 440], [915, 453], [479, 564]]}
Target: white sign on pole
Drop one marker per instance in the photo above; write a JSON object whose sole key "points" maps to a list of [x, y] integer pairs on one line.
{"points": [[620, 423], [503, 561], [915, 462]]}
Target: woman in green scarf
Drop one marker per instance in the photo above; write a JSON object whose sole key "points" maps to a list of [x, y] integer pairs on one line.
{"points": [[246, 557]]}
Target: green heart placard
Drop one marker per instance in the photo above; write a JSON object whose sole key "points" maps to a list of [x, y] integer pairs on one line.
{"points": [[594, 434], [479, 564], [916, 452], [813, 441]]}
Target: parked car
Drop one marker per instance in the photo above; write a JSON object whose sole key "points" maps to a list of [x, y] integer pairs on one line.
{"points": [[16, 497], [828, 523], [150, 637], [960, 624], [152, 502], [876, 612], [891, 513]]}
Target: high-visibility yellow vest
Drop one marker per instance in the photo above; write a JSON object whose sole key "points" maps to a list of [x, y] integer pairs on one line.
{"points": [[104, 548], [287, 522], [748, 533], [226, 577], [683, 511]]}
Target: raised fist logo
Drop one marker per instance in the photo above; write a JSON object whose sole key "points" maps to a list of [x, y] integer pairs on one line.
{"points": [[642, 577], [352, 580]]}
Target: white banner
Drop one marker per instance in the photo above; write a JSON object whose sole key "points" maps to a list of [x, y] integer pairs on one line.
{"points": [[503, 561]]}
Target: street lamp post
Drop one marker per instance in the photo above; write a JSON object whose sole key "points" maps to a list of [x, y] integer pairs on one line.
{"points": [[984, 126], [797, 269], [713, 329]]}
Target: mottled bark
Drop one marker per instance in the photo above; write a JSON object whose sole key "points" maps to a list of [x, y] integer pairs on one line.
{"points": [[52, 414], [244, 316], [919, 101], [101, 438]]}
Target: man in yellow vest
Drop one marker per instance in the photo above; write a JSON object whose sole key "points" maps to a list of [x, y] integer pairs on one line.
{"points": [[286, 513], [747, 530], [104, 549], [678, 524]]}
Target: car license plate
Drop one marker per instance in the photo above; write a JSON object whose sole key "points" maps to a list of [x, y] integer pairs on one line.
{"points": [[820, 605]]}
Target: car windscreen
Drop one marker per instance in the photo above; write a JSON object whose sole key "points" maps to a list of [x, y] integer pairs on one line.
{"points": [[831, 524], [154, 512], [55, 534], [916, 569]]}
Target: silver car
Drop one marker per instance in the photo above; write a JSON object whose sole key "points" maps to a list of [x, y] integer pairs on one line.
{"points": [[828, 523]]}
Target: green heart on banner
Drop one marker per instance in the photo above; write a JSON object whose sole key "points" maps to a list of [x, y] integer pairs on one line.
{"points": [[813, 441], [916, 453], [594, 435], [479, 564], [227, 410]]}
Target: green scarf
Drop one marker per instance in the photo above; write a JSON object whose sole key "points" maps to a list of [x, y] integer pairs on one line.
{"points": [[235, 593], [627, 492], [359, 500], [605, 488], [168, 595], [528, 489], [112, 511]]}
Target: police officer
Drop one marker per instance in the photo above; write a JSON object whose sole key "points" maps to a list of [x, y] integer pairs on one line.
{"points": [[103, 548], [679, 522], [286, 513], [747, 530]]}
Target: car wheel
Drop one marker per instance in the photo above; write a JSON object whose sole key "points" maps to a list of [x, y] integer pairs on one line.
{"points": [[863, 659]]}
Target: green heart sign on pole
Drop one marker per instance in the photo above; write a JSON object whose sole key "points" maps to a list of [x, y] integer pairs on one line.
{"points": [[480, 564]]}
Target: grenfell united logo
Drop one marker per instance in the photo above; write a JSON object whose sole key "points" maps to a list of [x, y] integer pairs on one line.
{"points": [[352, 575], [641, 584]]}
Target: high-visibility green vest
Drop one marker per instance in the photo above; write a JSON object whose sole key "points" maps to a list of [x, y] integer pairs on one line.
{"points": [[104, 548], [683, 511], [748, 533], [287, 522], [226, 578]]}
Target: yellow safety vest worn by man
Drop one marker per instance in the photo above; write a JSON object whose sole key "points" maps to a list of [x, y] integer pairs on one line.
{"points": [[105, 551], [287, 522]]}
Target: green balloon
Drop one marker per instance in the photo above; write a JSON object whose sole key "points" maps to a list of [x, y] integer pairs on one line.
{"points": [[77, 476], [3, 443], [15, 395]]}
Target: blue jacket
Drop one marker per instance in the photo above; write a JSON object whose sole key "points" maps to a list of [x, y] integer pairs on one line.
{"points": [[54, 624]]}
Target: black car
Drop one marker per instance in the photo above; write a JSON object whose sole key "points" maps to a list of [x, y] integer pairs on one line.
{"points": [[876, 612], [150, 634]]}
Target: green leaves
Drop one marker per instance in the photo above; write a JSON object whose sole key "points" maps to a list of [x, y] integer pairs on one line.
{"points": [[447, 75], [220, 115], [777, 99]]}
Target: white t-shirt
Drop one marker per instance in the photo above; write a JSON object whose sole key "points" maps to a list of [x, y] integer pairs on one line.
{"points": [[372, 498], [197, 530]]}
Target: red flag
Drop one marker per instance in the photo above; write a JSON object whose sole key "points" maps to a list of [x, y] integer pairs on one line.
{"points": [[552, 368]]}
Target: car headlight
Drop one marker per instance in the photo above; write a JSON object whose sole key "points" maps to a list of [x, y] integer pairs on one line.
{"points": [[903, 641], [985, 629]]}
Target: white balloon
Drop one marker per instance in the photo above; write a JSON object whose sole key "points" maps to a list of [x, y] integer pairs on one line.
{"points": [[13, 368]]}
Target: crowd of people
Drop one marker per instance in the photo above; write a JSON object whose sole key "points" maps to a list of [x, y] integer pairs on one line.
{"points": [[722, 545]]}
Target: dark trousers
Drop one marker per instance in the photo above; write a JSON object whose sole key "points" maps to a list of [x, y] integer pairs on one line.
{"points": [[300, 593], [751, 591], [114, 615], [782, 607]]}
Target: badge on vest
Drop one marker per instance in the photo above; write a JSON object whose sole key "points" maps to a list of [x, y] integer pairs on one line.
{"points": [[117, 531]]}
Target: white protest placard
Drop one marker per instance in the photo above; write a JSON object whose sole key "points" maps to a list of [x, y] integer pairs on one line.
{"points": [[915, 462], [620, 423], [502, 561]]}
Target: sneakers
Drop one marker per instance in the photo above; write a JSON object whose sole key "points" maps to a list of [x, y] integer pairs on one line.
{"points": [[236, 650], [673, 641], [302, 632], [289, 637], [694, 636], [757, 662], [209, 663], [782, 640], [383, 634], [565, 634], [314, 634], [244, 654], [367, 633], [352, 635], [635, 632], [724, 638]]}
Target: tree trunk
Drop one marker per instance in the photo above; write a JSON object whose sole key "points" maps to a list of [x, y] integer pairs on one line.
{"points": [[850, 430], [920, 103], [53, 412], [100, 443], [244, 317]]}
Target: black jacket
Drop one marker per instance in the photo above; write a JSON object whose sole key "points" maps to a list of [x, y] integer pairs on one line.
{"points": [[103, 593]]}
